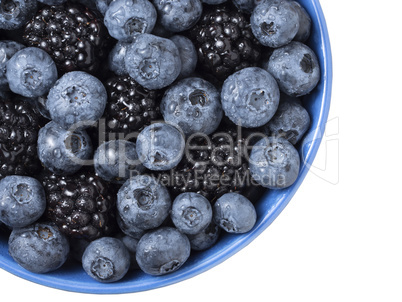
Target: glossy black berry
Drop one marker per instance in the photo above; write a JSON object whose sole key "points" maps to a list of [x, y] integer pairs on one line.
{"points": [[224, 41], [130, 106], [81, 205], [73, 35], [19, 127]]}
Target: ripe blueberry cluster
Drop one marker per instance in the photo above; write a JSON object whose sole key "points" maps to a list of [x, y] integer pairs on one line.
{"points": [[121, 126]]}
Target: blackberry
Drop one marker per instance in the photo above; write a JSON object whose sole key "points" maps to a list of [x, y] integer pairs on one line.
{"points": [[19, 126], [224, 41], [82, 205], [72, 34], [214, 165], [130, 106]]}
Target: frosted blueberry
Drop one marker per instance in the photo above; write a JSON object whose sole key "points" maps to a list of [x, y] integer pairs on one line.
{"points": [[194, 105], [31, 72], [77, 99], [22, 200], [250, 97], [63, 151], [152, 61], [162, 251], [160, 146], [106, 259], [39, 247], [117, 160], [126, 19], [274, 163], [295, 68]]}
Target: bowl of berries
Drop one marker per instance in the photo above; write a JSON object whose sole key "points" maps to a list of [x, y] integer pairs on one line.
{"points": [[145, 142]]}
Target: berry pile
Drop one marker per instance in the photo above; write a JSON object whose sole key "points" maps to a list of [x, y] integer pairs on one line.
{"points": [[135, 132]]}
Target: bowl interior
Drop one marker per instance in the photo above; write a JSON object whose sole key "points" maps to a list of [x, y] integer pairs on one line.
{"points": [[71, 277]]}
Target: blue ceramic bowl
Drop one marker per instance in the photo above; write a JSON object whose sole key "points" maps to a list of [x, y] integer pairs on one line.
{"points": [[73, 278]]}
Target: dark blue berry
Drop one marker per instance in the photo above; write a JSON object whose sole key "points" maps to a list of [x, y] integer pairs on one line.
{"points": [[250, 97], [191, 213], [63, 151], [206, 238], [274, 163], [194, 105], [152, 61], [142, 204], [290, 121], [295, 67], [304, 23], [31, 72], [22, 200], [274, 22], [188, 55], [117, 160], [116, 58], [77, 99], [15, 13], [160, 146], [106, 259], [162, 251], [126, 19], [7, 50], [39, 248], [234, 213], [180, 15]]}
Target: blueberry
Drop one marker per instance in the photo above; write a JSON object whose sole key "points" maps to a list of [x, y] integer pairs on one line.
{"points": [[296, 69], [126, 19], [180, 15], [206, 238], [152, 61], [131, 245], [22, 201], [160, 146], [63, 151], [274, 163], [304, 23], [102, 5], [39, 247], [290, 121], [116, 58], [274, 22], [77, 98], [194, 105], [234, 213], [142, 204], [15, 13], [250, 97], [246, 6], [106, 259], [191, 213], [116, 161], [162, 251], [31, 72], [7, 50], [188, 55]]}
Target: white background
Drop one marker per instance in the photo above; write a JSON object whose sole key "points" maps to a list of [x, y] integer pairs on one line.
{"points": [[339, 239]]}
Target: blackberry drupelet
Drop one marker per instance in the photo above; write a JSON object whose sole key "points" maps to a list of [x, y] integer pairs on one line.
{"points": [[19, 126], [224, 41], [81, 205], [73, 35], [130, 106], [215, 165]]}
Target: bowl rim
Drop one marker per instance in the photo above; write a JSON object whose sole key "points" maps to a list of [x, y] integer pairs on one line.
{"points": [[315, 137]]}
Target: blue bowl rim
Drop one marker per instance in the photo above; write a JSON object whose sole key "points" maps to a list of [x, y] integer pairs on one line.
{"points": [[225, 253]]}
